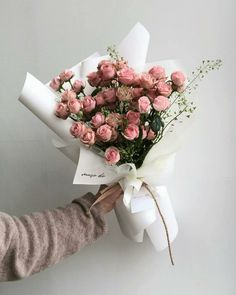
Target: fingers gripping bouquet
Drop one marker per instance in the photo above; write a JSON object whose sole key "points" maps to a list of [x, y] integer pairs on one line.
{"points": [[117, 114]]}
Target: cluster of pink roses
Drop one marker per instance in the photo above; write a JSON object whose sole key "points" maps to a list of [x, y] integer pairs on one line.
{"points": [[119, 113]]}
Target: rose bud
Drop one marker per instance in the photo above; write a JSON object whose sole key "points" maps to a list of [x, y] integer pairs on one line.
{"points": [[109, 95], [136, 80], [151, 94], [55, 83], [164, 89], [131, 132], [68, 95], [112, 155], [107, 71], [137, 92], [104, 133], [133, 117], [94, 79], [103, 62], [78, 85], [77, 129], [100, 101], [66, 75], [143, 104], [157, 72], [98, 119], [114, 119], [161, 103], [62, 111], [178, 78], [74, 105], [126, 76], [151, 134], [89, 103], [88, 137], [146, 81]]}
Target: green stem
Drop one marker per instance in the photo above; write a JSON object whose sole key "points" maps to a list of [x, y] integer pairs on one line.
{"points": [[70, 84]]}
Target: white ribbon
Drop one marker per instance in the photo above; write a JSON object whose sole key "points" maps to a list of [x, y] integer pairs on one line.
{"points": [[137, 212]]}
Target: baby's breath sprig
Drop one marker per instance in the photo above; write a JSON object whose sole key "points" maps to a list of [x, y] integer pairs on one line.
{"points": [[180, 104], [113, 53], [201, 71]]}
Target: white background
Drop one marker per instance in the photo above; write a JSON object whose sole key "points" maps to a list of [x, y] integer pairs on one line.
{"points": [[46, 36]]}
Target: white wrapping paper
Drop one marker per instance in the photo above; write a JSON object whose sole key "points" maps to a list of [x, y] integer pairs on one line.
{"points": [[136, 212]]}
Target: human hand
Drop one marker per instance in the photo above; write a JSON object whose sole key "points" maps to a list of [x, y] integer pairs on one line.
{"points": [[108, 197]]}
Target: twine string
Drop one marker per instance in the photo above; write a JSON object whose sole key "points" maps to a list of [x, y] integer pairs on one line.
{"points": [[107, 191], [163, 221]]}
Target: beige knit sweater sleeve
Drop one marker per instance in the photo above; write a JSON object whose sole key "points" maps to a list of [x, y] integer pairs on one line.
{"points": [[33, 242]]}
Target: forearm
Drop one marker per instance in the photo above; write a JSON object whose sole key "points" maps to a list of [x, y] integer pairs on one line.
{"points": [[33, 242]]}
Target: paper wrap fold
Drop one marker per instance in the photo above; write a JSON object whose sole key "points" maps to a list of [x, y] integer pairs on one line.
{"points": [[136, 211]]}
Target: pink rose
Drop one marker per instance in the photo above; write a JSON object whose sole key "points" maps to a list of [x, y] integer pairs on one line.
{"points": [[131, 132], [112, 155], [104, 133], [98, 119], [114, 119], [178, 78], [144, 132], [137, 92], [103, 62], [161, 103], [89, 103], [62, 111], [66, 75], [124, 93], [137, 80], [143, 104], [146, 81], [163, 88], [133, 117], [77, 129], [74, 105], [151, 94], [109, 95], [94, 79], [157, 72], [55, 83], [78, 85], [107, 71], [68, 95], [151, 134], [88, 137], [99, 99], [126, 76]]}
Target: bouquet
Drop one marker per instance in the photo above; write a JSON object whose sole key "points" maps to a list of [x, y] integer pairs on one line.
{"points": [[126, 113], [120, 122]]}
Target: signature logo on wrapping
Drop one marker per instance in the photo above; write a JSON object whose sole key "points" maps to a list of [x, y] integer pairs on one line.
{"points": [[90, 175]]}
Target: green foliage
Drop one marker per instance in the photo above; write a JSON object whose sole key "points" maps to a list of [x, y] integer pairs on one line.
{"points": [[156, 124], [114, 55]]}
